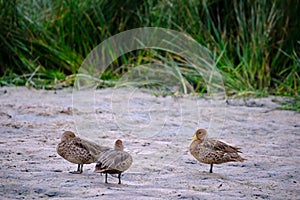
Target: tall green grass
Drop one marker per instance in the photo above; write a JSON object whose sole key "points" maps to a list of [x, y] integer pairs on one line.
{"points": [[255, 44]]}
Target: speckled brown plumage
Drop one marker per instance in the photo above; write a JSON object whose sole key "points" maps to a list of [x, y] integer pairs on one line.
{"points": [[114, 161], [79, 151], [212, 151]]}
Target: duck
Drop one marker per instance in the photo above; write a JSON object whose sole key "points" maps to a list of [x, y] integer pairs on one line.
{"points": [[114, 161], [212, 151], [79, 151]]}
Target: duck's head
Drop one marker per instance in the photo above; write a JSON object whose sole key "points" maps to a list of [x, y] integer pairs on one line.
{"points": [[200, 134], [67, 135], [119, 145]]}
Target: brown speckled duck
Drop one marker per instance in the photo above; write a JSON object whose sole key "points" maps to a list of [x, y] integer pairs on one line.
{"points": [[211, 151], [114, 161], [79, 151]]}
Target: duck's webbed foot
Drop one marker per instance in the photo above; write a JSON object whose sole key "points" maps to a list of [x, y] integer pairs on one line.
{"points": [[79, 169]]}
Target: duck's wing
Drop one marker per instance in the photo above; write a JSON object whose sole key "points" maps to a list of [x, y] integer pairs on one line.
{"points": [[80, 147], [115, 160], [218, 145], [89, 146]]}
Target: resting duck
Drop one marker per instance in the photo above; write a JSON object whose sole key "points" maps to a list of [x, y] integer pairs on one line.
{"points": [[114, 161], [212, 151], [79, 151]]}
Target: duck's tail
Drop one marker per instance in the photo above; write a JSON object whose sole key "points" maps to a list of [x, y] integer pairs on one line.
{"points": [[240, 159]]}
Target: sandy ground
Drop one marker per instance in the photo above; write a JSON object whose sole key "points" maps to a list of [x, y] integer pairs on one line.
{"points": [[157, 132]]}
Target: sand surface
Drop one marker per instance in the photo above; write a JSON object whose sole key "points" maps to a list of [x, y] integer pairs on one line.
{"points": [[157, 132]]}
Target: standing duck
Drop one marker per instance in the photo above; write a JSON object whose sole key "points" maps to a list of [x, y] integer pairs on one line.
{"points": [[79, 151], [211, 151], [114, 161]]}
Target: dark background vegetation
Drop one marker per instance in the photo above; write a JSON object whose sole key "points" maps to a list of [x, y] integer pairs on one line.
{"points": [[255, 44]]}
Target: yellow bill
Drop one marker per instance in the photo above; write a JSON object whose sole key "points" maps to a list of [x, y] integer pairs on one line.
{"points": [[194, 137]]}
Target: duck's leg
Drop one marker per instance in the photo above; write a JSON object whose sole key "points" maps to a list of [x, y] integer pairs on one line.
{"points": [[119, 177], [211, 166], [105, 177], [79, 169]]}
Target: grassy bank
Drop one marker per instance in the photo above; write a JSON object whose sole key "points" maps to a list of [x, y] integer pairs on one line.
{"points": [[255, 45]]}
